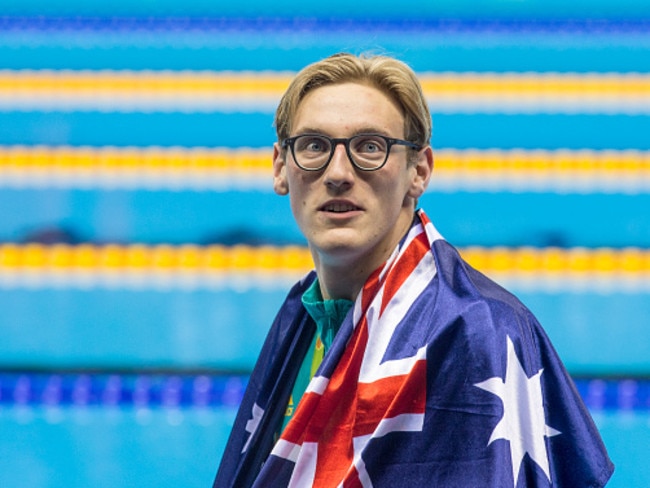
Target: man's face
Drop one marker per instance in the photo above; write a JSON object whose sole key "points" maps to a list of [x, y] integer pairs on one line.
{"points": [[351, 217]]}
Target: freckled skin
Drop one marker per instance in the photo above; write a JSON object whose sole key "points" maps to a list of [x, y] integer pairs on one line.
{"points": [[348, 246]]}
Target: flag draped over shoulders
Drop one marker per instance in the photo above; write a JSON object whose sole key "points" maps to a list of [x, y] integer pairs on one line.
{"points": [[437, 377]]}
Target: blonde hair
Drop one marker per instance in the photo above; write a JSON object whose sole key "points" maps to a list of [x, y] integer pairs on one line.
{"points": [[393, 77]]}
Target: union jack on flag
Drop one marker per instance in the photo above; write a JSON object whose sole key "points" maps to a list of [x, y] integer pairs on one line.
{"points": [[437, 377]]}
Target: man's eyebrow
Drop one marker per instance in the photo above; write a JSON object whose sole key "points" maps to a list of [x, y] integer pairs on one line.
{"points": [[371, 130], [362, 130], [310, 130]]}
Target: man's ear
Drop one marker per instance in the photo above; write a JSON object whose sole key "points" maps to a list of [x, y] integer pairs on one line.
{"points": [[280, 185], [423, 167]]}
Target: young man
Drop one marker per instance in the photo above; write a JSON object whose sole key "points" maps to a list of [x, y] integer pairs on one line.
{"points": [[394, 363]]}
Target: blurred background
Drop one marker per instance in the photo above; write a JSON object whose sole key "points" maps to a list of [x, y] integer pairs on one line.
{"points": [[143, 254]]}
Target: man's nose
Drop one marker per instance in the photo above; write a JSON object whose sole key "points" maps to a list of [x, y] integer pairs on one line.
{"points": [[340, 169]]}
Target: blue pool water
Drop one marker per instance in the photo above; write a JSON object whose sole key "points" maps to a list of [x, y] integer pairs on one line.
{"points": [[80, 430]]}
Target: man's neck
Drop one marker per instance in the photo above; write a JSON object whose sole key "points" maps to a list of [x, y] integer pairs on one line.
{"points": [[342, 282], [343, 277]]}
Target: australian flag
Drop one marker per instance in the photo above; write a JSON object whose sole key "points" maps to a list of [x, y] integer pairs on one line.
{"points": [[438, 377]]}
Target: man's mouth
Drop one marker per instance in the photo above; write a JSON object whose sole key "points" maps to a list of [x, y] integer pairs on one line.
{"points": [[339, 207]]}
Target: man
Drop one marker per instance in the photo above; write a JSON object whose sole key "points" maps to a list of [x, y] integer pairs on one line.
{"points": [[394, 363]]}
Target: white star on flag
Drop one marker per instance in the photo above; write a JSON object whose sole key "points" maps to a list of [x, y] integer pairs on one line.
{"points": [[253, 423], [523, 423]]}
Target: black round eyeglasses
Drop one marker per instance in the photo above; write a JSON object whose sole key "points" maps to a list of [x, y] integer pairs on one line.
{"points": [[367, 152]]}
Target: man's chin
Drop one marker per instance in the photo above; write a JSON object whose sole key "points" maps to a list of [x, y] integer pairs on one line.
{"points": [[339, 245]]}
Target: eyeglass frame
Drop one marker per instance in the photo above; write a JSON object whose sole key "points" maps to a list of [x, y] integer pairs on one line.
{"points": [[335, 141]]}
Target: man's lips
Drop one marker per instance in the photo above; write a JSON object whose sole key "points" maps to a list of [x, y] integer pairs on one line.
{"points": [[339, 206]]}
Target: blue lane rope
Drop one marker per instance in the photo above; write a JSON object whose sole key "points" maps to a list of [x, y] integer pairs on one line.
{"points": [[325, 24], [169, 390], [135, 390]]}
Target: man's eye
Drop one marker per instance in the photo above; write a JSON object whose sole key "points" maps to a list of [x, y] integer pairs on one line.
{"points": [[370, 146], [313, 145]]}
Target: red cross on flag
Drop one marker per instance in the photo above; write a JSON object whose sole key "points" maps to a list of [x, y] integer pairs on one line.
{"points": [[368, 395]]}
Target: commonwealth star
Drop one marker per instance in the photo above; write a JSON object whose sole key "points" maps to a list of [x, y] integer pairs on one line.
{"points": [[523, 423]]}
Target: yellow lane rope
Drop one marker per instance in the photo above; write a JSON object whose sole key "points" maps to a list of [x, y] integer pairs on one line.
{"points": [[219, 169], [155, 159], [149, 258], [96, 160], [272, 83], [206, 90], [215, 267], [538, 84], [218, 258], [51, 82]]}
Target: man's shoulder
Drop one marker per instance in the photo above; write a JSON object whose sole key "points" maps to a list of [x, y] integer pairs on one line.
{"points": [[466, 295], [461, 280], [294, 295]]}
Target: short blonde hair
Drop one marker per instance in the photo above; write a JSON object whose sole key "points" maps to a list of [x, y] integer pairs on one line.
{"points": [[393, 77]]}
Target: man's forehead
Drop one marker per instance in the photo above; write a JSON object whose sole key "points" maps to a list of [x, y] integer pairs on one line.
{"points": [[350, 107]]}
